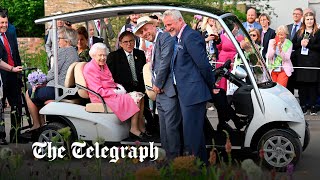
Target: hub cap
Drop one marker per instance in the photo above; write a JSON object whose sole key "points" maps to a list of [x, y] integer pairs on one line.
{"points": [[278, 151], [51, 136]]}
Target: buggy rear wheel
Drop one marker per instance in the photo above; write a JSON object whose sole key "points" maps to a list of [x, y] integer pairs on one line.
{"points": [[50, 134]]}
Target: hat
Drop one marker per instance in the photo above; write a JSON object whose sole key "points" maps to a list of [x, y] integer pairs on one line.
{"points": [[141, 22]]}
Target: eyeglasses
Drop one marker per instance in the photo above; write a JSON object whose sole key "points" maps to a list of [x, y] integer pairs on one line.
{"points": [[253, 35], [127, 42], [298, 14]]}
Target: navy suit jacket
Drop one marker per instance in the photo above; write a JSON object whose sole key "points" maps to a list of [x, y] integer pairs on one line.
{"points": [[290, 26], [14, 52], [163, 51], [193, 73], [13, 31], [119, 66]]}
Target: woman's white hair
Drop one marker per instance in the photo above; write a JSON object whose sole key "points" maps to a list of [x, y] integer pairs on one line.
{"points": [[283, 29], [174, 13], [98, 46]]}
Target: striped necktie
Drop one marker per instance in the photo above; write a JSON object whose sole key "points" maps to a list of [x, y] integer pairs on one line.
{"points": [[132, 67]]}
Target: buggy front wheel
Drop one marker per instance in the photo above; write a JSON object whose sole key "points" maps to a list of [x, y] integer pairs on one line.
{"points": [[280, 148]]}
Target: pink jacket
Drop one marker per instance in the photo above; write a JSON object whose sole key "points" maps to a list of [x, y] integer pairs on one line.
{"points": [[102, 82], [226, 50], [286, 61]]}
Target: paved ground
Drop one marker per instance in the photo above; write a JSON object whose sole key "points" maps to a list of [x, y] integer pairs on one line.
{"points": [[308, 167]]}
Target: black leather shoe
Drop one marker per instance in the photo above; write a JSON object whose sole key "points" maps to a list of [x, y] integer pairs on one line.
{"points": [[140, 137], [29, 133], [224, 126]]}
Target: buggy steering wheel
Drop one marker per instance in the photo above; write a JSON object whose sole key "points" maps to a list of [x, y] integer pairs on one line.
{"points": [[223, 71]]}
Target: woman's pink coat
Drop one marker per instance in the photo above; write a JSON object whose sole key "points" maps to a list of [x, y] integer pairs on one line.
{"points": [[101, 81]]}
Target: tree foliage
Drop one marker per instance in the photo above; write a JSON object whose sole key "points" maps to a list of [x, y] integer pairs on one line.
{"points": [[22, 14]]}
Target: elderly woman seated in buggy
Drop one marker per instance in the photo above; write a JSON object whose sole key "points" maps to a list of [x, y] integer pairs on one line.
{"points": [[67, 54], [125, 105]]}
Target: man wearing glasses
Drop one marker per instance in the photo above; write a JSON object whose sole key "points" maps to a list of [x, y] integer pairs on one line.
{"points": [[292, 29], [131, 23], [295, 26], [126, 65]]}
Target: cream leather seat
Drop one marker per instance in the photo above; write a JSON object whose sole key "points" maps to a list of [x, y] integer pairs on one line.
{"points": [[83, 91], [69, 83]]}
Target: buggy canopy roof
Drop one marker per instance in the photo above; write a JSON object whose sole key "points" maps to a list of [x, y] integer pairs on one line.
{"points": [[126, 9]]}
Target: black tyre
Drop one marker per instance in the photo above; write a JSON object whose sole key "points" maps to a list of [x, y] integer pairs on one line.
{"points": [[306, 137], [280, 149], [49, 133]]}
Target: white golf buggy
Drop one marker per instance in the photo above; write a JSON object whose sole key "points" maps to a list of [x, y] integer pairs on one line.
{"points": [[275, 122]]}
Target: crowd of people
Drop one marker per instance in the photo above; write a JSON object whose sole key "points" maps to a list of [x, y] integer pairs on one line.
{"points": [[290, 52], [178, 57]]}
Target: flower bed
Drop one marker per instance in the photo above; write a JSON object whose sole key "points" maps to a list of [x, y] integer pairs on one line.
{"points": [[17, 163]]}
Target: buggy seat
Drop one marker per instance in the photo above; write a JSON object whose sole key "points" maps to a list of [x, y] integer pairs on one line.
{"points": [[83, 91], [69, 87]]}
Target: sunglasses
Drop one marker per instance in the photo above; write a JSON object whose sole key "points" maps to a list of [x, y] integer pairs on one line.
{"points": [[253, 35]]}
